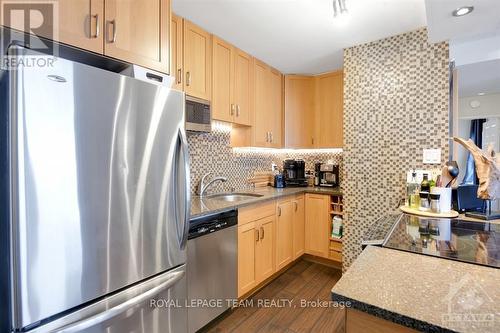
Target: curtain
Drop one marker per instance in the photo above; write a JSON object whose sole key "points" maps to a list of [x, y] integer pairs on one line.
{"points": [[476, 135]]}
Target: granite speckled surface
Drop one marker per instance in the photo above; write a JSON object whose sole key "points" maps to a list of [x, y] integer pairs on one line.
{"points": [[422, 292], [206, 205]]}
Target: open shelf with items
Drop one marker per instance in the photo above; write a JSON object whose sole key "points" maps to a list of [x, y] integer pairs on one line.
{"points": [[335, 244]]}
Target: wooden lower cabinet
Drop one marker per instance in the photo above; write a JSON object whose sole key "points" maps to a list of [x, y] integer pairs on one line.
{"points": [[256, 248], [246, 258], [361, 322], [271, 235], [298, 226], [264, 249], [284, 233], [317, 224]]}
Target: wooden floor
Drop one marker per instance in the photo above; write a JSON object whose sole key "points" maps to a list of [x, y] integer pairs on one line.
{"points": [[305, 281]]}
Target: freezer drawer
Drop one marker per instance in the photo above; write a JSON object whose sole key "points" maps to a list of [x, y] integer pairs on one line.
{"points": [[154, 306]]}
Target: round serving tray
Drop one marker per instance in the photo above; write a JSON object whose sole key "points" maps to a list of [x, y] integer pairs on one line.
{"points": [[414, 211]]}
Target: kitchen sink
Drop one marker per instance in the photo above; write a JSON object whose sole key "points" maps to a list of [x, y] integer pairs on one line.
{"points": [[233, 197]]}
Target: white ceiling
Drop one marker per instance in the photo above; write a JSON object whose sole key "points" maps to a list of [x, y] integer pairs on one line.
{"points": [[442, 25], [481, 77], [302, 36]]}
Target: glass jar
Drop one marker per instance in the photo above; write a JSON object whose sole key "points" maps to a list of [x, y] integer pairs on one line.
{"points": [[424, 202], [435, 206]]}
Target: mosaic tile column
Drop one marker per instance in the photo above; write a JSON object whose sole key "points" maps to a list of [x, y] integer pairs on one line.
{"points": [[396, 96]]}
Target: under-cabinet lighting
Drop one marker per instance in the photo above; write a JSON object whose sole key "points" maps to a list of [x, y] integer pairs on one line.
{"points": [[274, 151]]}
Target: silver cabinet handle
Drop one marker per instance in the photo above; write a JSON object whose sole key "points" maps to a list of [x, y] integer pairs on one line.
{"points": [[97, 31], [271, 137], [257, 237], [108, 314], [188, 78], [179, 75], [237, 110], [112, 22], [267, 136], [232, 109], [262, 230]]}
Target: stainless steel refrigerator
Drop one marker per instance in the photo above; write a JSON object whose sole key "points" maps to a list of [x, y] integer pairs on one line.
{"points": [[95, 179]]}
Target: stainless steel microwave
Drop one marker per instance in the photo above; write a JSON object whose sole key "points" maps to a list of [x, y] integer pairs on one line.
{"points": [[198, 115]]}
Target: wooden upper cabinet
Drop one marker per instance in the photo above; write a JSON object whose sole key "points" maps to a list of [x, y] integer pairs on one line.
{"points": [[262, 115], [138, 32], [276, 108], [176, 49], [329, 111], [197, 62], [243, 87], [81, 24], [317, 227], [299, 111], [231, 83], [223, 107]]}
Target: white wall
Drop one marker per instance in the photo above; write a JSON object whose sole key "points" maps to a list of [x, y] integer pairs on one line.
{"points": [[490, 107], [475, 50]]}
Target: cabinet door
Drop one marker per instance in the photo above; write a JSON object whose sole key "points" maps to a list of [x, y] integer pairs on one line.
{"points": [[284, 234], [298, 227], [247, 239], [299, 111], [242, 87], [176, 51], [222, 80], [276, 108], [317, 224], [262, 126], [80, 24], [329, 118], [138, 32], [197, 61], [264, 249]]}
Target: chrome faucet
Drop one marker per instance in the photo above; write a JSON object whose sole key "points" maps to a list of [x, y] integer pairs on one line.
{"points": [[202, 187]]}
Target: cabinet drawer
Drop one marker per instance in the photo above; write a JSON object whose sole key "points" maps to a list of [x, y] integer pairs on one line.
{"points": [[256, 212], [335, 255], [336, 246]]}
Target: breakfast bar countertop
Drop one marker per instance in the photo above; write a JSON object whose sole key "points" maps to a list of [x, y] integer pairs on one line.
{"points": [[422, 292], [201, 206]]}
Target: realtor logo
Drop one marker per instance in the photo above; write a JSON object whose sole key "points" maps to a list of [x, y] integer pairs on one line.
{"points": [[38, 18], [469, 305]]}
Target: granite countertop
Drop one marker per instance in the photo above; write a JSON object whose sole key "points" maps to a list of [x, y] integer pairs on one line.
{"points": [[422, 292], [206, 205]]}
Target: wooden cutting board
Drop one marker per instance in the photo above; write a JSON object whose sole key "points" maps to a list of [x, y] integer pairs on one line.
{"points": [[413, 211]]}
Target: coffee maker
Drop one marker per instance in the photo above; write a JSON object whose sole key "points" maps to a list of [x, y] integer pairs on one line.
{"points": [[329, 175], [294, 173]]}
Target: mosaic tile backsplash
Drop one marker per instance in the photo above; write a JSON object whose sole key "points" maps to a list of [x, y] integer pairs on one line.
{"points": [[211, 152], [396, 96]]}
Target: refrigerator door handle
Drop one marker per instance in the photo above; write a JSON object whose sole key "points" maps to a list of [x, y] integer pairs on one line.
{"points": [[94, 320], [185, 190]]}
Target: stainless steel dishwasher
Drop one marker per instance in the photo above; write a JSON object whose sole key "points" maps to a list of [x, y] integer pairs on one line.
{"points": [[212, 271]]}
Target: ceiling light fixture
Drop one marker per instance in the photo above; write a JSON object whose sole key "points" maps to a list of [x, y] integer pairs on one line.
{"points": [[339, 7], [481, 94], [461, 11]]}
